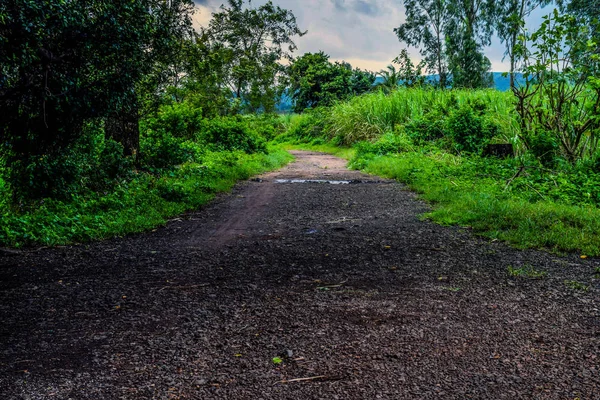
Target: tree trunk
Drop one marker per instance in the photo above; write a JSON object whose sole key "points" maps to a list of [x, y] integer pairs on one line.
{"points": [[124, 127]]}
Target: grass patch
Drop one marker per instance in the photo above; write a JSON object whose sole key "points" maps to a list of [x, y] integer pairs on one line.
{"points": [[577, 286], [526, 271], [343, 152], [463, 193], [141, 204]]}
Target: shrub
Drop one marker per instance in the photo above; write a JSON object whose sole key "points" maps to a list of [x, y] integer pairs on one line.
{"points": [[180, 120], [390, 143], [544, 147], [161, 150], [430, 127], [231, 134], [91, 162], [267, 126], [306, 127], [469, 128]]}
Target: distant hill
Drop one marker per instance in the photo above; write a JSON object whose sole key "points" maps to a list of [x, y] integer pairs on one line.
{"points": [[501, 83]]}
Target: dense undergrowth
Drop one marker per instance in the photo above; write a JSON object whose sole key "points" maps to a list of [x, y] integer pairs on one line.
{"points": [[97, 193], [435, 141]]}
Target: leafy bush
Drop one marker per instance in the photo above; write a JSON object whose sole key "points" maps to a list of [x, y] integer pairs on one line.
{"points": [[161, 150], [267, 126], [429, 127], [469, 128], [390, 143], [544, 147], [92, 162], [181, 120], [230, 134], [306, 127]]}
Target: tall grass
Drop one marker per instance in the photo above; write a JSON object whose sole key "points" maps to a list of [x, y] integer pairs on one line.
{"points": [[370, 116]]}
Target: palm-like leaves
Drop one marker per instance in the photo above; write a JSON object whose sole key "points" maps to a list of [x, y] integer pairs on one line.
{"points": [[391, 79]]}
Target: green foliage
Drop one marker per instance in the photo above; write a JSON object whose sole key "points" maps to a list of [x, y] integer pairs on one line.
{"points": [[560, 100], [92, 162], [65, 64], [426, 114], [389, 143], [410, 75], [544, 146], [181, 120], [251, 42], [429, 127], [451, 34], [161, 150], [510, 24], [470, 129], [471, 191], [135, 205], [305, 128], [231, 134], [314, 81], [526, 271], [425, 26]]}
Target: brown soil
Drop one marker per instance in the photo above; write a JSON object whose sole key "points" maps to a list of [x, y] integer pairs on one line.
{"points": [[356, 295]]}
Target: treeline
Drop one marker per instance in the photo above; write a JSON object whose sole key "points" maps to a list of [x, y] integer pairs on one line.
{"points": [[83, 85], [451, 35]]}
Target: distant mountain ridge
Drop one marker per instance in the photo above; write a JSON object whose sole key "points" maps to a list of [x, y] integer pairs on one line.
{"points": [[501, 82]]}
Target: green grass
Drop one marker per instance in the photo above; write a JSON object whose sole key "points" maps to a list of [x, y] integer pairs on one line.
{"points": [[343, 152], [577, 286], [526, 271], [464, 196], [410, 135], [369, 116], [144, 203]]}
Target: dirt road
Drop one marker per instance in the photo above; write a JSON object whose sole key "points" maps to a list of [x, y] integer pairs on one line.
{"points": [[313, 282]]}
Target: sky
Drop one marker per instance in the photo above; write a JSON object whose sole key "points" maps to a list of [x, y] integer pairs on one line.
{"points": [[360, 32]]}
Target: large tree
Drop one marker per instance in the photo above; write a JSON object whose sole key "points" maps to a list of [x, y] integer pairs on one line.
{"points": [[64, 63], [425, 27], [316, 81], [259, 39], [469, 29], [510, 24]]}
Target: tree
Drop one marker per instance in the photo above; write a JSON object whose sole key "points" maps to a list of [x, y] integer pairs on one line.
{"points": [[315, 81], [65, 63], [426, 25], [510, 24], [561, 94], [257, 40], [468, 30], [207, 68], [410, 75]]}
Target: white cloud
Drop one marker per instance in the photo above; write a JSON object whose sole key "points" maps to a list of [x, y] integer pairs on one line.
{"points": [[357, 31]]}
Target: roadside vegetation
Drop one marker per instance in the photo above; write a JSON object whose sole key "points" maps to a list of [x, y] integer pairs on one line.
{"points": [[104, 135], [539, 188]]}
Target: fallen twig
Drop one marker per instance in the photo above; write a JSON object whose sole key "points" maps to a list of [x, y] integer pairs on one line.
{"points": [[514, 177], [312, 378]]}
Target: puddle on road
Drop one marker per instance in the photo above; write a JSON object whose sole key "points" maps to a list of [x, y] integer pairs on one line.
{"points": [[313, 181], [330, 182]]}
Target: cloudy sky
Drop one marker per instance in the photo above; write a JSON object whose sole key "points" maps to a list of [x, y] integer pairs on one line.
{"points": [[360, 32]]}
